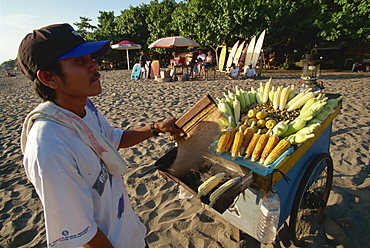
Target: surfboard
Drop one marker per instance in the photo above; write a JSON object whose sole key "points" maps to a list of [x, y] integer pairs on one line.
{"points": [[231, 54], [249, 54], [136, 71], [154, 68], [221, 60], [242, 56], [238, 53], [257, 48]]}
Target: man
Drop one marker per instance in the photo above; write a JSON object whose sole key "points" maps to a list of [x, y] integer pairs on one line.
{"points": [[200, 58], [250, 72], [70, 150]]}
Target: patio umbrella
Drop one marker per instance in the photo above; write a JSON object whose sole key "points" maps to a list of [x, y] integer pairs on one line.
{"points": [[126, 45], [175, 41]]}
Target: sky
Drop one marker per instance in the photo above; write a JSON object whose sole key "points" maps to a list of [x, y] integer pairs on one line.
{"points": [[20, 17]]}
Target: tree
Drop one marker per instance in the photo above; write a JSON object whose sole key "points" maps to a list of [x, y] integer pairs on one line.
{"points": [[84, 26]]}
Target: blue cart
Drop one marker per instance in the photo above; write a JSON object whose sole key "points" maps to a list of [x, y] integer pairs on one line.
{"points": [[303, 180]]}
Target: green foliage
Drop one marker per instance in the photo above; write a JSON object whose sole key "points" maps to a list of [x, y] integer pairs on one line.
{"points": [[9, 64], [290, 24]]}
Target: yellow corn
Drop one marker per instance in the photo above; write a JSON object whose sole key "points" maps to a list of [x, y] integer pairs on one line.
{"points": [[231, 140], [223, 141], [252, 144], [238, 141], [218, 192], [248, 134], [261, 143], [279, 149], [301, 101], [271, 143], [210, 183]]}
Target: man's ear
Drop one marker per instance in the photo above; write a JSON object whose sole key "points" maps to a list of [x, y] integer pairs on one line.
{"points": [[47, 78]]}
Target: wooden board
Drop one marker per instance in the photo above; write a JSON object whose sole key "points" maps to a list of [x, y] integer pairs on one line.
{"points": [[257, 48], [231, 54], [197, 114], [136, 71], [154, 69], [221, 61], [249, 54]]}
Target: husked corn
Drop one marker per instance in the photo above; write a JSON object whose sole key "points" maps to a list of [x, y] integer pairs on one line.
{"points": [[279, 149], [231, 140], [210, 183], [238, 141], [271, 143], [252, 144], [222, 189], [261, 143], [248, 134], [223, 141]]}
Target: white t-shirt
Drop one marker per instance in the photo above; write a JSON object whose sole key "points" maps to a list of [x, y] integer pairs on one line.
{"points": [[202, 57], [250, 71], [77, 192], [234, 71]]}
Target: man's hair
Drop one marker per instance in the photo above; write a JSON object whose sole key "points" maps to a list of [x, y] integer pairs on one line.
{"points": [[45, 92]]}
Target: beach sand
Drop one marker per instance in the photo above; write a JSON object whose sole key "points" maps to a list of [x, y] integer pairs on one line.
{"points": [[174, 222]]}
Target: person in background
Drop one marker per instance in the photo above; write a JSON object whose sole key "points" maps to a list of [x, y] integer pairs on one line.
{"points": [[357, 67], [208, 62], [234, 72], [250, 72], [200, 58], [70, 149], [144, 66]]}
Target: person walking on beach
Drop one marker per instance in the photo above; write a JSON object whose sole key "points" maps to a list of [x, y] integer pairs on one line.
{"points": [[70, 149]]}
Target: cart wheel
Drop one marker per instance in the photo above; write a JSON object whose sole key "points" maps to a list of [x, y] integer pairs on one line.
{"points": [[311, 198]]}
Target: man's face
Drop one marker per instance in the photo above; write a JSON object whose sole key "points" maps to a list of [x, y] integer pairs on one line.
{"points": [[81, 78]]}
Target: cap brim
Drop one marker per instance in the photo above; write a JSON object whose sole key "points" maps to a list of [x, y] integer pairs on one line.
{"points": [[95, 48]]}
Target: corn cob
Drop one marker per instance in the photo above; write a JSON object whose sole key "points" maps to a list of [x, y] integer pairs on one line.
{"points": [[284, 98], [296, 125], [279, 149], [246, 98], [266, 91], [270, 145], [280, 128], [210, 183], [231, 140], [261, 143], [222, 189], [308, 104], [240, 97], [334, 102], [248, 134], [276, 101], [300, 138], [291, 93], [223, 141], [309, 128], [238, 141], [271, 94], [295, 98], [301, 101], [252, 144], [224, 138], [236, 107]]}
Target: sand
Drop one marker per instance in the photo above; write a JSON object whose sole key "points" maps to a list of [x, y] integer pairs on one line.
{"points": [[174, 222]]}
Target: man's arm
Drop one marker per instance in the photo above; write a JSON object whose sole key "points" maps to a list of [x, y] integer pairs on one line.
{"points": [[98, 241], [132, 137]]}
